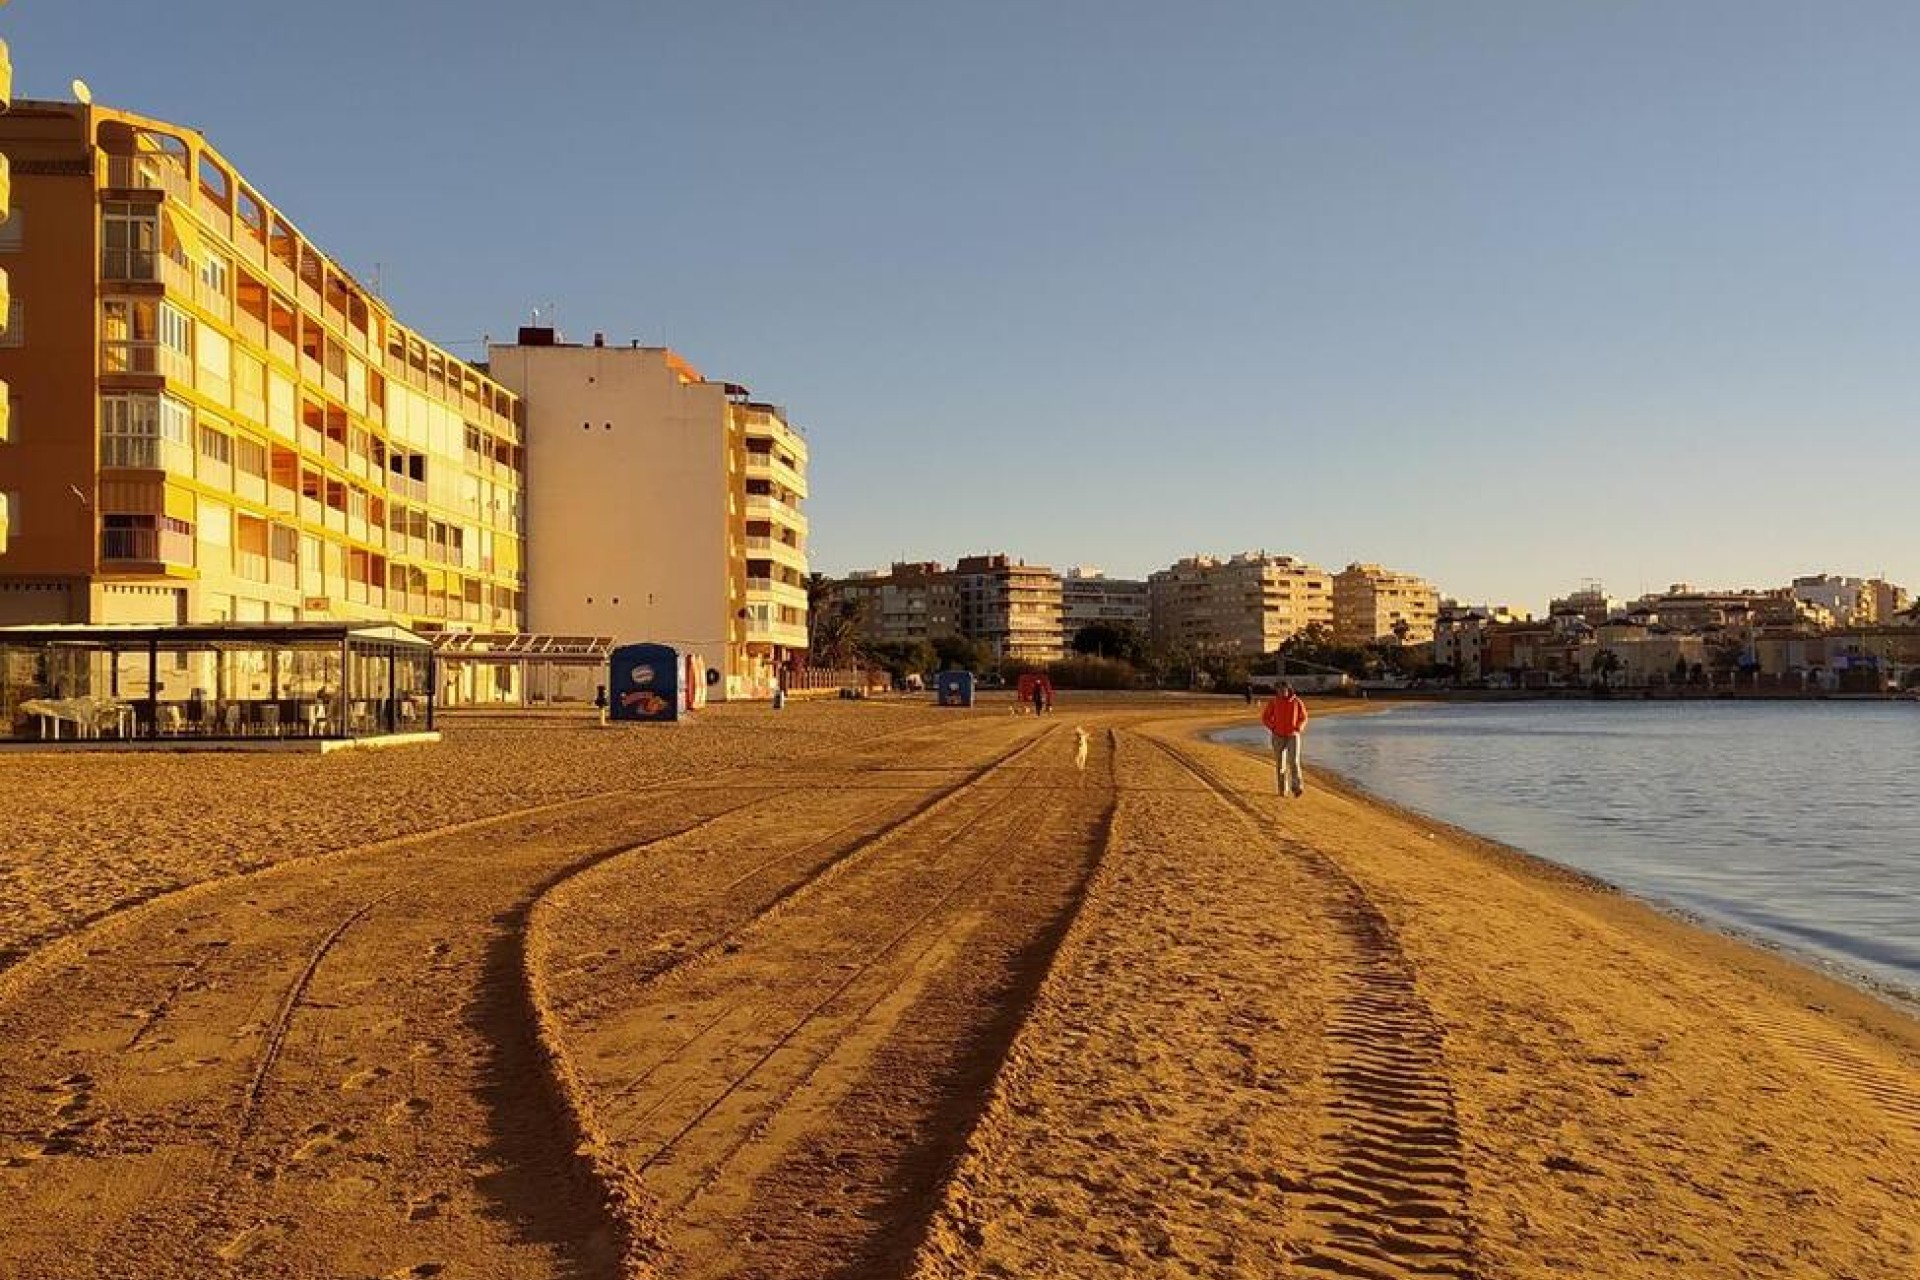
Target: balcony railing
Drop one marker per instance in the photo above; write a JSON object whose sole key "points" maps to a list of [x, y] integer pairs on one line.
{"points": [[148, 172], [146, 453], [163, 546]]}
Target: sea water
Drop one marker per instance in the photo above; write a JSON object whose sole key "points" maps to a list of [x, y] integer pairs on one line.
{"points": [[1796, 822]]}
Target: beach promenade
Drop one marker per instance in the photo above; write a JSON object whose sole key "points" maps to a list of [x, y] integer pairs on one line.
{"points": [[881, 990]]}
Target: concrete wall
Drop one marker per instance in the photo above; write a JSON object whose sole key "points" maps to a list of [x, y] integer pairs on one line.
{"points": [[627, 498]]}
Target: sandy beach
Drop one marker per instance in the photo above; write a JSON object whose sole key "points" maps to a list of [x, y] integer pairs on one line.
{"points": [[880, 990]]}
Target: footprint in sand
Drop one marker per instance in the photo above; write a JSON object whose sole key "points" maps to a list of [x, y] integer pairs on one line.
{"points": [[251, 1241], [322, 1140], [418, 1271], [364, 1079], [408, 1109]]}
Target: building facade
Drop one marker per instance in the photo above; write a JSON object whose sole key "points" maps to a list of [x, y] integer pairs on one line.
{"points": [[1088, 596], [1011, 606], [662, 506], [1371, 604], [1249, 603], [910, 602], [1852, 601], [215, 421]]}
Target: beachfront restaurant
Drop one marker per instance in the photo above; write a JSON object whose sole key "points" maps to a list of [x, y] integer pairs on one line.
{"points": [[230, 681]]}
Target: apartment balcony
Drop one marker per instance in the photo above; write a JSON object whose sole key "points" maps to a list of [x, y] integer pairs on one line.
{"points": [[149, 453], [772, 589], [283, 500], [761, 506], [6, 77], [149, 171], [782, 553], [764, 466], [146, 546], [146, 358], [791, 635], [6, 183]]}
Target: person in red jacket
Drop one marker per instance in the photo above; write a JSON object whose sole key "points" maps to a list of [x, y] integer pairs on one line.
{"points": [[1286, 719]]}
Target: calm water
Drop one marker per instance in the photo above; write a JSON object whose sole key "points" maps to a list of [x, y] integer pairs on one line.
{"points": [[1797, 822]]}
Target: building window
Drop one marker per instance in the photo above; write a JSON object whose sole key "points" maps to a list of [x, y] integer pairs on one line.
{"points": [[16, 334], [130, 234], [9, 518], [176, 330], [145, 431], [13, 234]]}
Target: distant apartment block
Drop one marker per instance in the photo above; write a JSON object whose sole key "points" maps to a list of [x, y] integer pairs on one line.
{"points": [[212, 420], [1088, 596], [1372, 604], [1683, 607], [1011, 606], [909, 602], [1590, 602], [1852, 601], [661, 506], [1249, 603]]}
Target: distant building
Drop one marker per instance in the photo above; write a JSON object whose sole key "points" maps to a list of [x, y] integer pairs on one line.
{"points": [[1011, 606], [1852, 601], [1087, 596], [1249, 603], [1590, 602], [1371, 603], [1683, 607], [909, 602], [664, 506], [1460, 635]]}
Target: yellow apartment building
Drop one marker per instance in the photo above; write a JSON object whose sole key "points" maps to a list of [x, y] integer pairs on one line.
{"points": [[661, 506], [1371, 603], [1247, 604], [211, 420]]}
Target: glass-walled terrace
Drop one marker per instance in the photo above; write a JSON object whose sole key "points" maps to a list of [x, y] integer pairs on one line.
{"points": [[224, 681]]}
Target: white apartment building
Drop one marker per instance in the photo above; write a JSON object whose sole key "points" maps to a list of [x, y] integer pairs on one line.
{"points": [[662, 506], [1088, 596]]}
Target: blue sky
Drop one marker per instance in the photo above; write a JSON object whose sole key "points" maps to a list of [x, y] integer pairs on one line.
{"points": [[1507, 294]]}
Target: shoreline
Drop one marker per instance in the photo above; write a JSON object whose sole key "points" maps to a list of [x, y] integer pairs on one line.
{"points": [[1280, 1025], [1903, 997]]}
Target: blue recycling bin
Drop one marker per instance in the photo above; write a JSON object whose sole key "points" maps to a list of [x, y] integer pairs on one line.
{"points": [[953, 689], [643, 683]]}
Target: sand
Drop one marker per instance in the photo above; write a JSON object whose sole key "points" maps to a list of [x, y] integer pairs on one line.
{"points": [[882, 990]]}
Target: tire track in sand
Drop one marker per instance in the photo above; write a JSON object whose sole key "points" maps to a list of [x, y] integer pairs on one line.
{"points": [[1393, 1199], [790, 1005]]}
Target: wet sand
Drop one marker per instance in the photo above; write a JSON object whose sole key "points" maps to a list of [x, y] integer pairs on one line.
{"points": [[876, 989]]}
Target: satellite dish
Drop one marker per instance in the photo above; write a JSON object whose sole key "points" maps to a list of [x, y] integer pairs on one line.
{"points": [[82, 94]]}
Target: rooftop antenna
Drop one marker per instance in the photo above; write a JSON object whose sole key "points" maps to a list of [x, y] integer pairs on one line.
{"points": [[82, 94]]}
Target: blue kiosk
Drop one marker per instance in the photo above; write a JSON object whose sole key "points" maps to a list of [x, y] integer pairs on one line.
{"points": [[953, 689], [653, 682]]}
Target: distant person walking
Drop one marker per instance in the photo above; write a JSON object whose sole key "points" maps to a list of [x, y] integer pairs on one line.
{"points": [[1039, 698], [1286, 719]]}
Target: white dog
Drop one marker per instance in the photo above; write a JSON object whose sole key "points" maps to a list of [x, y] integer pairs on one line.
{"points": [[1080, 749]]}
